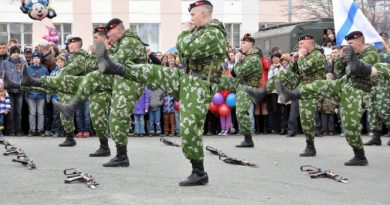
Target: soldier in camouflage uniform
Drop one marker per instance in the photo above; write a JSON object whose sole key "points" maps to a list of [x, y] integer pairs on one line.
{"points": [[378, 113], [202, 47], [247, 70], [127, 49], [309, 64], [66, 83], [351, 90]]}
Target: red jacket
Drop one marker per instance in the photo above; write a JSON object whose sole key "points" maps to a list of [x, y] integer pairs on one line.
{"points": [[265, 64]]}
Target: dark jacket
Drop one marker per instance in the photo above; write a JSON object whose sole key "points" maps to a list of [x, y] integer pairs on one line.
{"points": [[13, 73], [36, 72]]}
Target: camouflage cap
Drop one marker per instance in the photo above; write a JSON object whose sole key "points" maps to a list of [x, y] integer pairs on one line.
{"points": [[353, 35], [199, 3]]}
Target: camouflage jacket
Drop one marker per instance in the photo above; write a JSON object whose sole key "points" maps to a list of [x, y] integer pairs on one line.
{"points": [[129, 49], [79, 64], [204, 49], [312, 66], [338, 68], [369, 56], [248, 70]]}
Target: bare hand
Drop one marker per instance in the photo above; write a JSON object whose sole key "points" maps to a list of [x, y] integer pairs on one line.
{"points": [[188, 26], [302, 52], [238, 56]]}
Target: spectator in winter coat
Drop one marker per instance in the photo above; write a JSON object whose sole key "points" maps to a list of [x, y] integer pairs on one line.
{"points": [[140, 109], [36, 100]]}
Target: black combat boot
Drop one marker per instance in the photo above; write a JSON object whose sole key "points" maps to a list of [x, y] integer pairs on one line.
{"points": [[286, 95], [198, 175], [248, 142], [8, 83], [104, 149], [375, 140], [355, 66], [359, 159], [256, 95], [68, 110], [105, 64], [310, 150], [121, 159], [28, 81], [69, 141]]}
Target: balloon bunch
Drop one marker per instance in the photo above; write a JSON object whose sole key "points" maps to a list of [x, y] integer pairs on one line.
{"points": [[222, 103]]}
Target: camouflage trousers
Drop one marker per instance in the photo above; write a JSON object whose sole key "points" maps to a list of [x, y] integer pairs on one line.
{"points": [[290, 80], [194, 94], [124, 94], [99, 101], [351, 100], [379, 99]]}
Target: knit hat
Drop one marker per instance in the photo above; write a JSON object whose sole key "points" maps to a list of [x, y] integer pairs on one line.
{"points": [[37, 54]]}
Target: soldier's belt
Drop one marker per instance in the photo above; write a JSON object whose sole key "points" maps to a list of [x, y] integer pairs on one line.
{"points": [[203, 76]]}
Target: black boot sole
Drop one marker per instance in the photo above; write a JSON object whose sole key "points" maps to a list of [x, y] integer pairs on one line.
{"points": [[100, 155], [117, 165], [198, 183], [361, 163]]}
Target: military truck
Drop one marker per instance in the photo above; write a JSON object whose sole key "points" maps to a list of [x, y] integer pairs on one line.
{"points": [[285, 36]]}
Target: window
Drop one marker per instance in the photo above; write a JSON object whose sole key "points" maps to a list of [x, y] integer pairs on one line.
{"points": [[149, 33], [22, 32], [233, 34], [64, 29]]}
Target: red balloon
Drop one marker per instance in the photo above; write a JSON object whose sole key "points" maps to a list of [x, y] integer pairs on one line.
{"points": [[223, 110], [176, 105], [224, 93], [212, 107]]}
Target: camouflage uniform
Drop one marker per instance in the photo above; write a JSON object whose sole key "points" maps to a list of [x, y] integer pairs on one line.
{"points": [[308, 68], [203, 51], [351, 92], [129, 49], [379, 100], [249, 74]]}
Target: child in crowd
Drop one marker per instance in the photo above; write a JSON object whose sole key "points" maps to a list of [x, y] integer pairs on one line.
{"points": [[140, 109], [57, 128], [156, 101], [36, 100], [226, 121], [5, 106]]}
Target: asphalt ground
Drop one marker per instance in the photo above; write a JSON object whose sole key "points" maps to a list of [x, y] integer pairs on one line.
{"points": [[156, 169]]}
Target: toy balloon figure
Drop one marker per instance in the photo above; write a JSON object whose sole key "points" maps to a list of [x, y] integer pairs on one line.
{"points": [[212, 107], [38, 9], [52, 35], [231, 100], [223, 110], [217, 99]]}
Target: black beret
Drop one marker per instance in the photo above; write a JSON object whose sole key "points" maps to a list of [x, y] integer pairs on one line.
{"points": [[100, 29], [199, 3], [113, 23], [75, 39], [305, 37], [14, 49], [353, 35], [247, 37], [384, 35]]}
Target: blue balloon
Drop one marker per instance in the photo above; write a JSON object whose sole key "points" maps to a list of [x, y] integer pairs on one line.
{"points": [[231, 100]]}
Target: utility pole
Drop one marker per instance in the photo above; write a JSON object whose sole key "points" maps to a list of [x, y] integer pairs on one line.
{"points": [[289, 11]]}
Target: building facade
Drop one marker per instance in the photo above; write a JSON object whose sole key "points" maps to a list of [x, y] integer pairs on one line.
{"points": [[158, 22]]}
